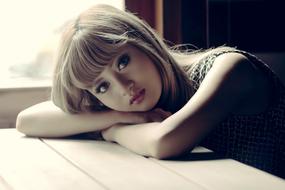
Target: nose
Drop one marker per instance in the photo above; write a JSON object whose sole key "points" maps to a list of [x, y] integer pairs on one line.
{"points": [[125, 85]]}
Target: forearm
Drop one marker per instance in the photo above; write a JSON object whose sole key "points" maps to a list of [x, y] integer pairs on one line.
{"points": [[47, 120], [158, 139], [139, 138]]}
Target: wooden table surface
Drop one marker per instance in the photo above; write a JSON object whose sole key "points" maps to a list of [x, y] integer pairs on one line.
{"points": [[79, 164]]}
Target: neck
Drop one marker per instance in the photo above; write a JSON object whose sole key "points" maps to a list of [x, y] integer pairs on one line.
{"points": [[187, 60]]}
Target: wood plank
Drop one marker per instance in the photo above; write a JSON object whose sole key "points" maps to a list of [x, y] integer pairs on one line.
{"points": [[212, 172], [29, 164], [117, 167]]}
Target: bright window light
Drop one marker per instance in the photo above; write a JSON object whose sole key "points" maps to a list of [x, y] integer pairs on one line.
{"points": [[30, 30]]}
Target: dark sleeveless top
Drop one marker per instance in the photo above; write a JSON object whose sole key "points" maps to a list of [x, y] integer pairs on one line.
{"points": [[258, 139]]}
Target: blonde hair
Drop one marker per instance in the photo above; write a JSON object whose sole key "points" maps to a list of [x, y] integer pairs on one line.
{"points": [[92, 40]]}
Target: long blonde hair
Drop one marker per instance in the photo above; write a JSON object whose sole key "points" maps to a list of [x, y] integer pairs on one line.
{"points": [[92, 40]]}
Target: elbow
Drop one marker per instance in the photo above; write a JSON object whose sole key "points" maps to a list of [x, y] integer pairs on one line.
{"points": [[163, 152], [20, 122], [24, 123], [168, 148], [160, 155]]}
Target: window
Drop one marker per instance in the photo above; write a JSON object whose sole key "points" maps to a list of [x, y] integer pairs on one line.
{"points": [[30, 31]]}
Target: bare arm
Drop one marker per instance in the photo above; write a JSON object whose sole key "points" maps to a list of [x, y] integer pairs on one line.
{"points": [[47, 120], [141, 138], [224, 88]]}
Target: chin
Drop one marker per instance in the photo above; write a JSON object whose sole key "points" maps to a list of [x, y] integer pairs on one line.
{"points": [[147, 107], [140, 109], [143, 107]]}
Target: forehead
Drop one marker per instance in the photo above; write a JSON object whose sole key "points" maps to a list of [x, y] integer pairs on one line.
{"points": [[109, 67], [89, 66], [122, 50], [126, 48]]}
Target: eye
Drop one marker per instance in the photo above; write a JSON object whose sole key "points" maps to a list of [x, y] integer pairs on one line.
{"points": [[123, 61], [102, 88]]}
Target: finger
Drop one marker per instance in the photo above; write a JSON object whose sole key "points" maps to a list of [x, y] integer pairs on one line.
{"points": [[167, 113], [163, 112]]}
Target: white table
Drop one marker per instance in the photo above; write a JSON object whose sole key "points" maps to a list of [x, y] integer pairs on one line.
{"points": [[78, 164]]}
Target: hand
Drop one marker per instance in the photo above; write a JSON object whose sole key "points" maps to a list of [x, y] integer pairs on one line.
{"points": [[108, 134], [130, 118], [156, 115]]}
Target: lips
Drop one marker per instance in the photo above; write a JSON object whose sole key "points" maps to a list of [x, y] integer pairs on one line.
{"points": [[138, 97]]}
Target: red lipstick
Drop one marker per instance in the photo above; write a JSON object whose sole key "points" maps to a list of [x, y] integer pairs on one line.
{"points": [[138, 97]]}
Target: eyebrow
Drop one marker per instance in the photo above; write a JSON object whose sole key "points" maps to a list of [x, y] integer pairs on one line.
{"points": [[97, 81]]}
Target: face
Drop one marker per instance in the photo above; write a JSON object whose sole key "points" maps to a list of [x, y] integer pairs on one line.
{"points": [[130, 82]]}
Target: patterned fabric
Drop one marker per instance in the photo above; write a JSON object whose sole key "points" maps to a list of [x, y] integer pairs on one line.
{"points": [[258, 139]]}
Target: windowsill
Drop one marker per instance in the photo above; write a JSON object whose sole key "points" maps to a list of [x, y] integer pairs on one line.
{"points": [[24, 83]]}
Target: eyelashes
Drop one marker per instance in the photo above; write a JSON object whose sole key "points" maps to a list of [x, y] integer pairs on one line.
{"points": [[121, 64], [102, 88]]}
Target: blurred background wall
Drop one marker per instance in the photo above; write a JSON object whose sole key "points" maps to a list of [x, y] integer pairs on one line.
{"points": [[256, 26]]}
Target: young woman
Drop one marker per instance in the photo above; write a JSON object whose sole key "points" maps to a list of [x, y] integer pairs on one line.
{"points": [[116, 76]]}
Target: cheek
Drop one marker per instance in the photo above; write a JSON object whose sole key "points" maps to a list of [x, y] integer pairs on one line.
{"points": [[112, 102], [106, 100]]}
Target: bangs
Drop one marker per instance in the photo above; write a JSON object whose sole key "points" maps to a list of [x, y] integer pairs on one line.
{"points": [[88, 58]]}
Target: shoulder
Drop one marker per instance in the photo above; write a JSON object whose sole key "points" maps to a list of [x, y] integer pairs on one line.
{"points": [[243, 84], [236, 68], [228, 83], [231, 58]]}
